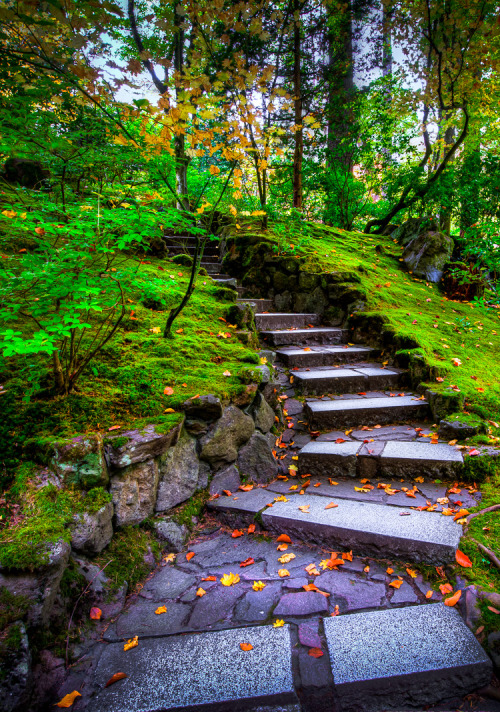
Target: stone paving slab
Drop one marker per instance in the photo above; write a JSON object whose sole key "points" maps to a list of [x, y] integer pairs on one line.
{"points": [[364, 411], [402, 657], [282, 320], [247, 502], [367, 528], [403, 459], [319, 335], [322, 355], [198, 672], [142, 620]]}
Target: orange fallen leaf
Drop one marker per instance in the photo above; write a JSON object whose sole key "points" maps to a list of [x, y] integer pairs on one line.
{"points": [[209, 578], [114, 427], [251, 528], [396, 584], [390, 571], [236, 533], [332, 482], [445, 588], [462, 559], [429, 593], [189, 555], [160, 610], [168, 391], [347, 555], [315, 652], [117, 676], [246, 488], [282, 547], [282, 573], [228, 493], [452, 600], [247, 562], [313, 587], [366, 569], [412, 573], [331, 505], [132, 643], [246, 646], [461, 513], [95, 614], [494, 610], [68, 699]]}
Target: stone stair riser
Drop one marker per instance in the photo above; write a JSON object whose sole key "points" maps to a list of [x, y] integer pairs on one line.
{"points": [[348, 384], [285, 321], [312, 359], [257, 305], [340, 419], [290, 338]]}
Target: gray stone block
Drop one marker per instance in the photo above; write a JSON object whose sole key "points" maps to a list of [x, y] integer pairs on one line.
{"points": [[331, 459], [403, 459], [303, 603], [178, 474], [406, 657], [141, 445], [92, 532], [140, 619], [367, 528], [168, 582], [364, 411], [227, 479], [256, 460], [322, 356], [257, 605], [193, 671], [282, 320], [322, 335]]}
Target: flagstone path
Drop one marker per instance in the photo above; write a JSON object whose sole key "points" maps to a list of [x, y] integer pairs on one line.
{"points": [[298, 634]]}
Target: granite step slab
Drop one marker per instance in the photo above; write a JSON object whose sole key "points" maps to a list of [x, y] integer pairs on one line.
{"points": [[282, 320], [365, 411], [211, 268], [190, 249], [257, 305], [346, 380], [206, 672], [322, 355], [319, 335], [366, 528], [404, 658], [212, 259], [380, 459], [225, 280]]}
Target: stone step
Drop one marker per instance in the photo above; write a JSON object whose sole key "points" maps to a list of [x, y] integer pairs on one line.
{"points": [[285, 321], [191, 249], [322, 335], [397, 659], [323, 355], [212, 259], [346, 380], [205, 671], [212, 268], [349, 412], [225, 280], [258, 305], [381, 459], [369, 529]]}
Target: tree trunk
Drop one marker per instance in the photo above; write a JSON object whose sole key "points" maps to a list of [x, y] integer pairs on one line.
{"points": [[297, 92], [181, 159]]}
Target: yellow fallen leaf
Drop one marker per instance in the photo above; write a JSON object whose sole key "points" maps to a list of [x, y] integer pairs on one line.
{"points": [[366, 569], [68, 699], [161, 609], [132, 643], [412, 573], [286, 558], [229, 579], [169, 558], [361, 489], [283, 572], [419, 479], [278, 623], [200, 592], [305, 508], [258, 585]]}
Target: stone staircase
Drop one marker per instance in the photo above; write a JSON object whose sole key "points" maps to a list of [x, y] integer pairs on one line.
{"points": [[185, 244], [358, 477]]}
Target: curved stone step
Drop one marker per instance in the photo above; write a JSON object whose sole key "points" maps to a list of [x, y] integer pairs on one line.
{"points": [[204, 671], [404, 658], [313, 356], [281, 320], [346, 380], [366, 528], [382, 459], [322, 335], [349, 412]]}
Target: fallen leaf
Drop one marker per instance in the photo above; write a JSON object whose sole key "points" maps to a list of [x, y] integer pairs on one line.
{"points": [[419, 479], [114, 427], [286, 558], [347, 555], [331, 505], [132, 643], [189, 555], [228, 493], [452, 600], [160, 610], [258, 585], [305, 508], [462, 559], [226, 373], [285, 538], [429, 593], [412, 573], [68, 700], [282, 547], [236, 533], [494, 610], [251, 528], [168, 391], [396, 584], [247, 562], [366, 569], [179, 331], [229, 579], [169, 558], [461, 513], [390, 571], [278, 623], [332, 562], [200, 592], [332, 482], [95, 614], [313, 587], [246, 646], [315, 652], [282, 573], [209, 578], [117, 676], [473, 452], [246, 488], [445, 588]]}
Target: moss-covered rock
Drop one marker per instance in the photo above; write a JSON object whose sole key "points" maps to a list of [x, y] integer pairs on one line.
{"points": [[426, 250], [444, 402]]}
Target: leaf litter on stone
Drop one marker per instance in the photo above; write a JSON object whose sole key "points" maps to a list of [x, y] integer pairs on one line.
{"points": [[246, 646], [132, 643], [230, 579], [160, 610], [67, 700], [114, 678]]}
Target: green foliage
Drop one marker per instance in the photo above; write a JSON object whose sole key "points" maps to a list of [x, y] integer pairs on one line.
{"points": [[192, 508], [126, 553], [12, 607]]}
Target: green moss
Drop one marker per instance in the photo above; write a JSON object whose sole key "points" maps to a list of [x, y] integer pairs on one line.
{"points": [[10, 643], [126, 553], [194, 507], [478, 469], [12, 607], [116, 442]]}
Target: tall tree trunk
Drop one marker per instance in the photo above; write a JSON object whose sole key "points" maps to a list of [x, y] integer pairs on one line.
{"points": [[181, 159], [297, 92], [445, 214]]}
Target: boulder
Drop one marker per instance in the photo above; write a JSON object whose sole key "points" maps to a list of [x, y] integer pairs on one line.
{"points": [[179, 472], [426, 250], [173, 534], [94, 576], [134, 492], [230, 432], [17, 677], [443, 403], [133, 446], [207, 407], [263, 414], [227, 479], [41, 586], [79, 462], [455, 430], [48, 676], [256, 460], [92, 532]]}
